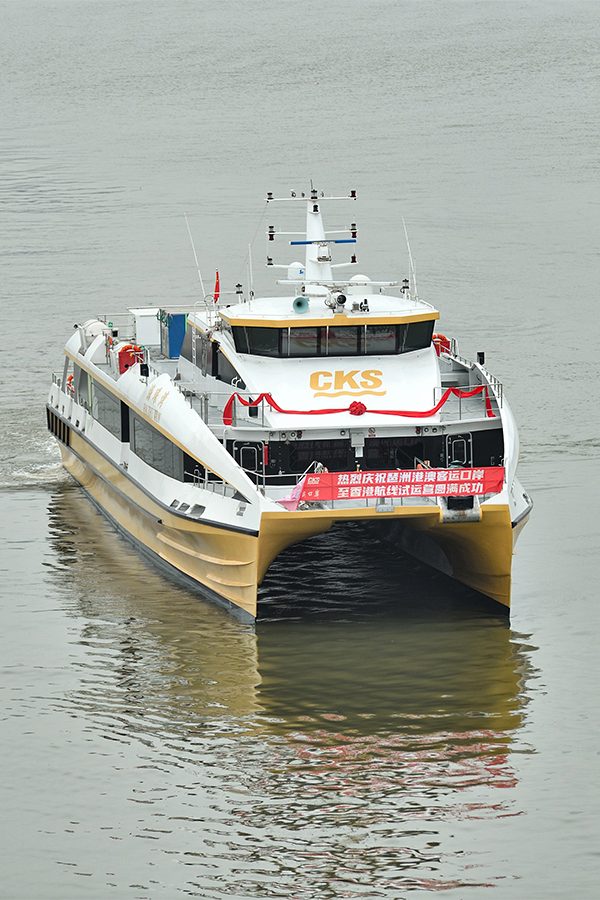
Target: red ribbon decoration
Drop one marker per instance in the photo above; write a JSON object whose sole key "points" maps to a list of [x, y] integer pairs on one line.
{"points": [[357, 408]]}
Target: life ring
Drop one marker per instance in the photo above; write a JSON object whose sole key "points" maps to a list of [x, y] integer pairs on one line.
{"points": [[70, 385], [441, 343], [133, 350]]}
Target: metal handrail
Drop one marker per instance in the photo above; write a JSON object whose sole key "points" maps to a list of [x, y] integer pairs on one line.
{"points": [[297, 475]]}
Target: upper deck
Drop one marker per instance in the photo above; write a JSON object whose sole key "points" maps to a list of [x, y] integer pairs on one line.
{"points": [[360, 307], [328, 351]]}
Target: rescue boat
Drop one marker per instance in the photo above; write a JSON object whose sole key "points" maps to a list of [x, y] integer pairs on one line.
{"points": [[216, 435]]}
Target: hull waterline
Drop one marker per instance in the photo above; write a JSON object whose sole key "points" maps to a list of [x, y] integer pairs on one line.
{"points": [[227, 567]]}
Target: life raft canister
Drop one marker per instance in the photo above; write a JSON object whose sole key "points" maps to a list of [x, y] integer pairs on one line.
{"points": [[441, 343]]}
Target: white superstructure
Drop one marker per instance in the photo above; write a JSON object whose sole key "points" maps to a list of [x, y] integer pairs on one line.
{"points": [[216, 436]]}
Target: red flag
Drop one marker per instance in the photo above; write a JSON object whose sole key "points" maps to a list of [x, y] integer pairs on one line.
{"points": [[217, 290]]}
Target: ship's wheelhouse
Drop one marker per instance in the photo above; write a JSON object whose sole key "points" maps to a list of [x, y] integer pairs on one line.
{"points": [[332, 340]]}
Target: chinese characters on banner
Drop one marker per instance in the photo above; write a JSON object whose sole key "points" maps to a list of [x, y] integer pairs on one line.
{"points": [[403, 483]]}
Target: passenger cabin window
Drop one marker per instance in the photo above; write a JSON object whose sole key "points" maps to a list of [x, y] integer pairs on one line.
{"points": [[106, 409], [333, 340], [82, 389], [162, 454], [156, 449]]}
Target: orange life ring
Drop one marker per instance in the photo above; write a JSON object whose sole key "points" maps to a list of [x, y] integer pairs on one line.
{"points": [[441, 343]]}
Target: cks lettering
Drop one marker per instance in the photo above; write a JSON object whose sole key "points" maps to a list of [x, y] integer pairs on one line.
{"points": [[355, 383]]}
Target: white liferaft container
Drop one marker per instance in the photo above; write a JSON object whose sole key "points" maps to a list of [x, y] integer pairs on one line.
{"points": [[147, 326]]}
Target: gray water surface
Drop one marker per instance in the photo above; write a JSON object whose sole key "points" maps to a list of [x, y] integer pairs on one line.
{"points": [[379, 734]]}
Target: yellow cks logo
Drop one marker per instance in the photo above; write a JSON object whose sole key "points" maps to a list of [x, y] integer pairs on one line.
{"points": [[351, 384]]}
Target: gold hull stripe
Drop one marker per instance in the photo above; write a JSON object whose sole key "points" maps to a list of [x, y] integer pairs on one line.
{"points": [[232, 565], [137, 518], [337, 321]]}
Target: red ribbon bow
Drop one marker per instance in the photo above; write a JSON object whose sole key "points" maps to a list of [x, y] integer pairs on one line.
{"points": [[357, 408]]}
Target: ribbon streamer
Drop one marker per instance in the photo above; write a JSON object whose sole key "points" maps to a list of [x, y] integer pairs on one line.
{"points": [[357, 408]]}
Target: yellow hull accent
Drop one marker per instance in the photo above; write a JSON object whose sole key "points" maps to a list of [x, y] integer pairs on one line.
{"points": [[341, 320], [479, 554], [232, 564], [207, 554]]}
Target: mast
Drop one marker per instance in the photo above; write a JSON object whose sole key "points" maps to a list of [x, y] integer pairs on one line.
{"points": [[318, 253], [316, 241]]}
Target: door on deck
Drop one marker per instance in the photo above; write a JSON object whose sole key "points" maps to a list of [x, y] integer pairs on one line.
{"points": [[250, 457], [459, 450]]}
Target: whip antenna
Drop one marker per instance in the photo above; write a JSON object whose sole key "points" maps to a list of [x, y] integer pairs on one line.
{"points": [[195, 255], [413, 272]]}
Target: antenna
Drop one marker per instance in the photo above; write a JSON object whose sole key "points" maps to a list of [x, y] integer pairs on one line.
{"points": [[410, 258], [250, 273], [317, 241], [195, 255]]}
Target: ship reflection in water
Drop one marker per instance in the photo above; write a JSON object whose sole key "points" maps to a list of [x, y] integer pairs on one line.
{"points": [[387, 722]]}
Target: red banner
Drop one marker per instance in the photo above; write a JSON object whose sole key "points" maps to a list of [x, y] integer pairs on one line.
{"points": [[403, 483]]}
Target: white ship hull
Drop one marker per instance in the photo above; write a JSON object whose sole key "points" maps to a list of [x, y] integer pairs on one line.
{"points": [[204, 457]]}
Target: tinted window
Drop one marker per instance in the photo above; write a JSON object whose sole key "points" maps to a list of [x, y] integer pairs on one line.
{"points": [[82, 382], [240, 337], [156, 449], [401, 331], [335, 340], [381, 339], [226, 372], [264, 341], [418, 336], [306, 341], [344, 340], [106, 409]]}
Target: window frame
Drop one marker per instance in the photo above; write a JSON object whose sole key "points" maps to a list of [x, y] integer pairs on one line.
{"points": [[402, 333], [98, 390]]}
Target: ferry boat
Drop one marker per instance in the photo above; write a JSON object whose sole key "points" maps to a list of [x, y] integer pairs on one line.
{"points": [[216, 436]]}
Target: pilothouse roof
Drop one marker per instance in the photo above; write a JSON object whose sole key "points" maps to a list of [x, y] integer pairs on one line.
{"points": [[278, 312]]}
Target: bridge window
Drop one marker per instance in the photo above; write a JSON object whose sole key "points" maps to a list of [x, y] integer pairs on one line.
{"points": [[344, 340], [418, 336], [333, 340], [263, 341], [304, 341], [382, 339]]}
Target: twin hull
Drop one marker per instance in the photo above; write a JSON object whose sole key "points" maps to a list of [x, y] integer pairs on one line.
{"points": [[228, 564]]}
